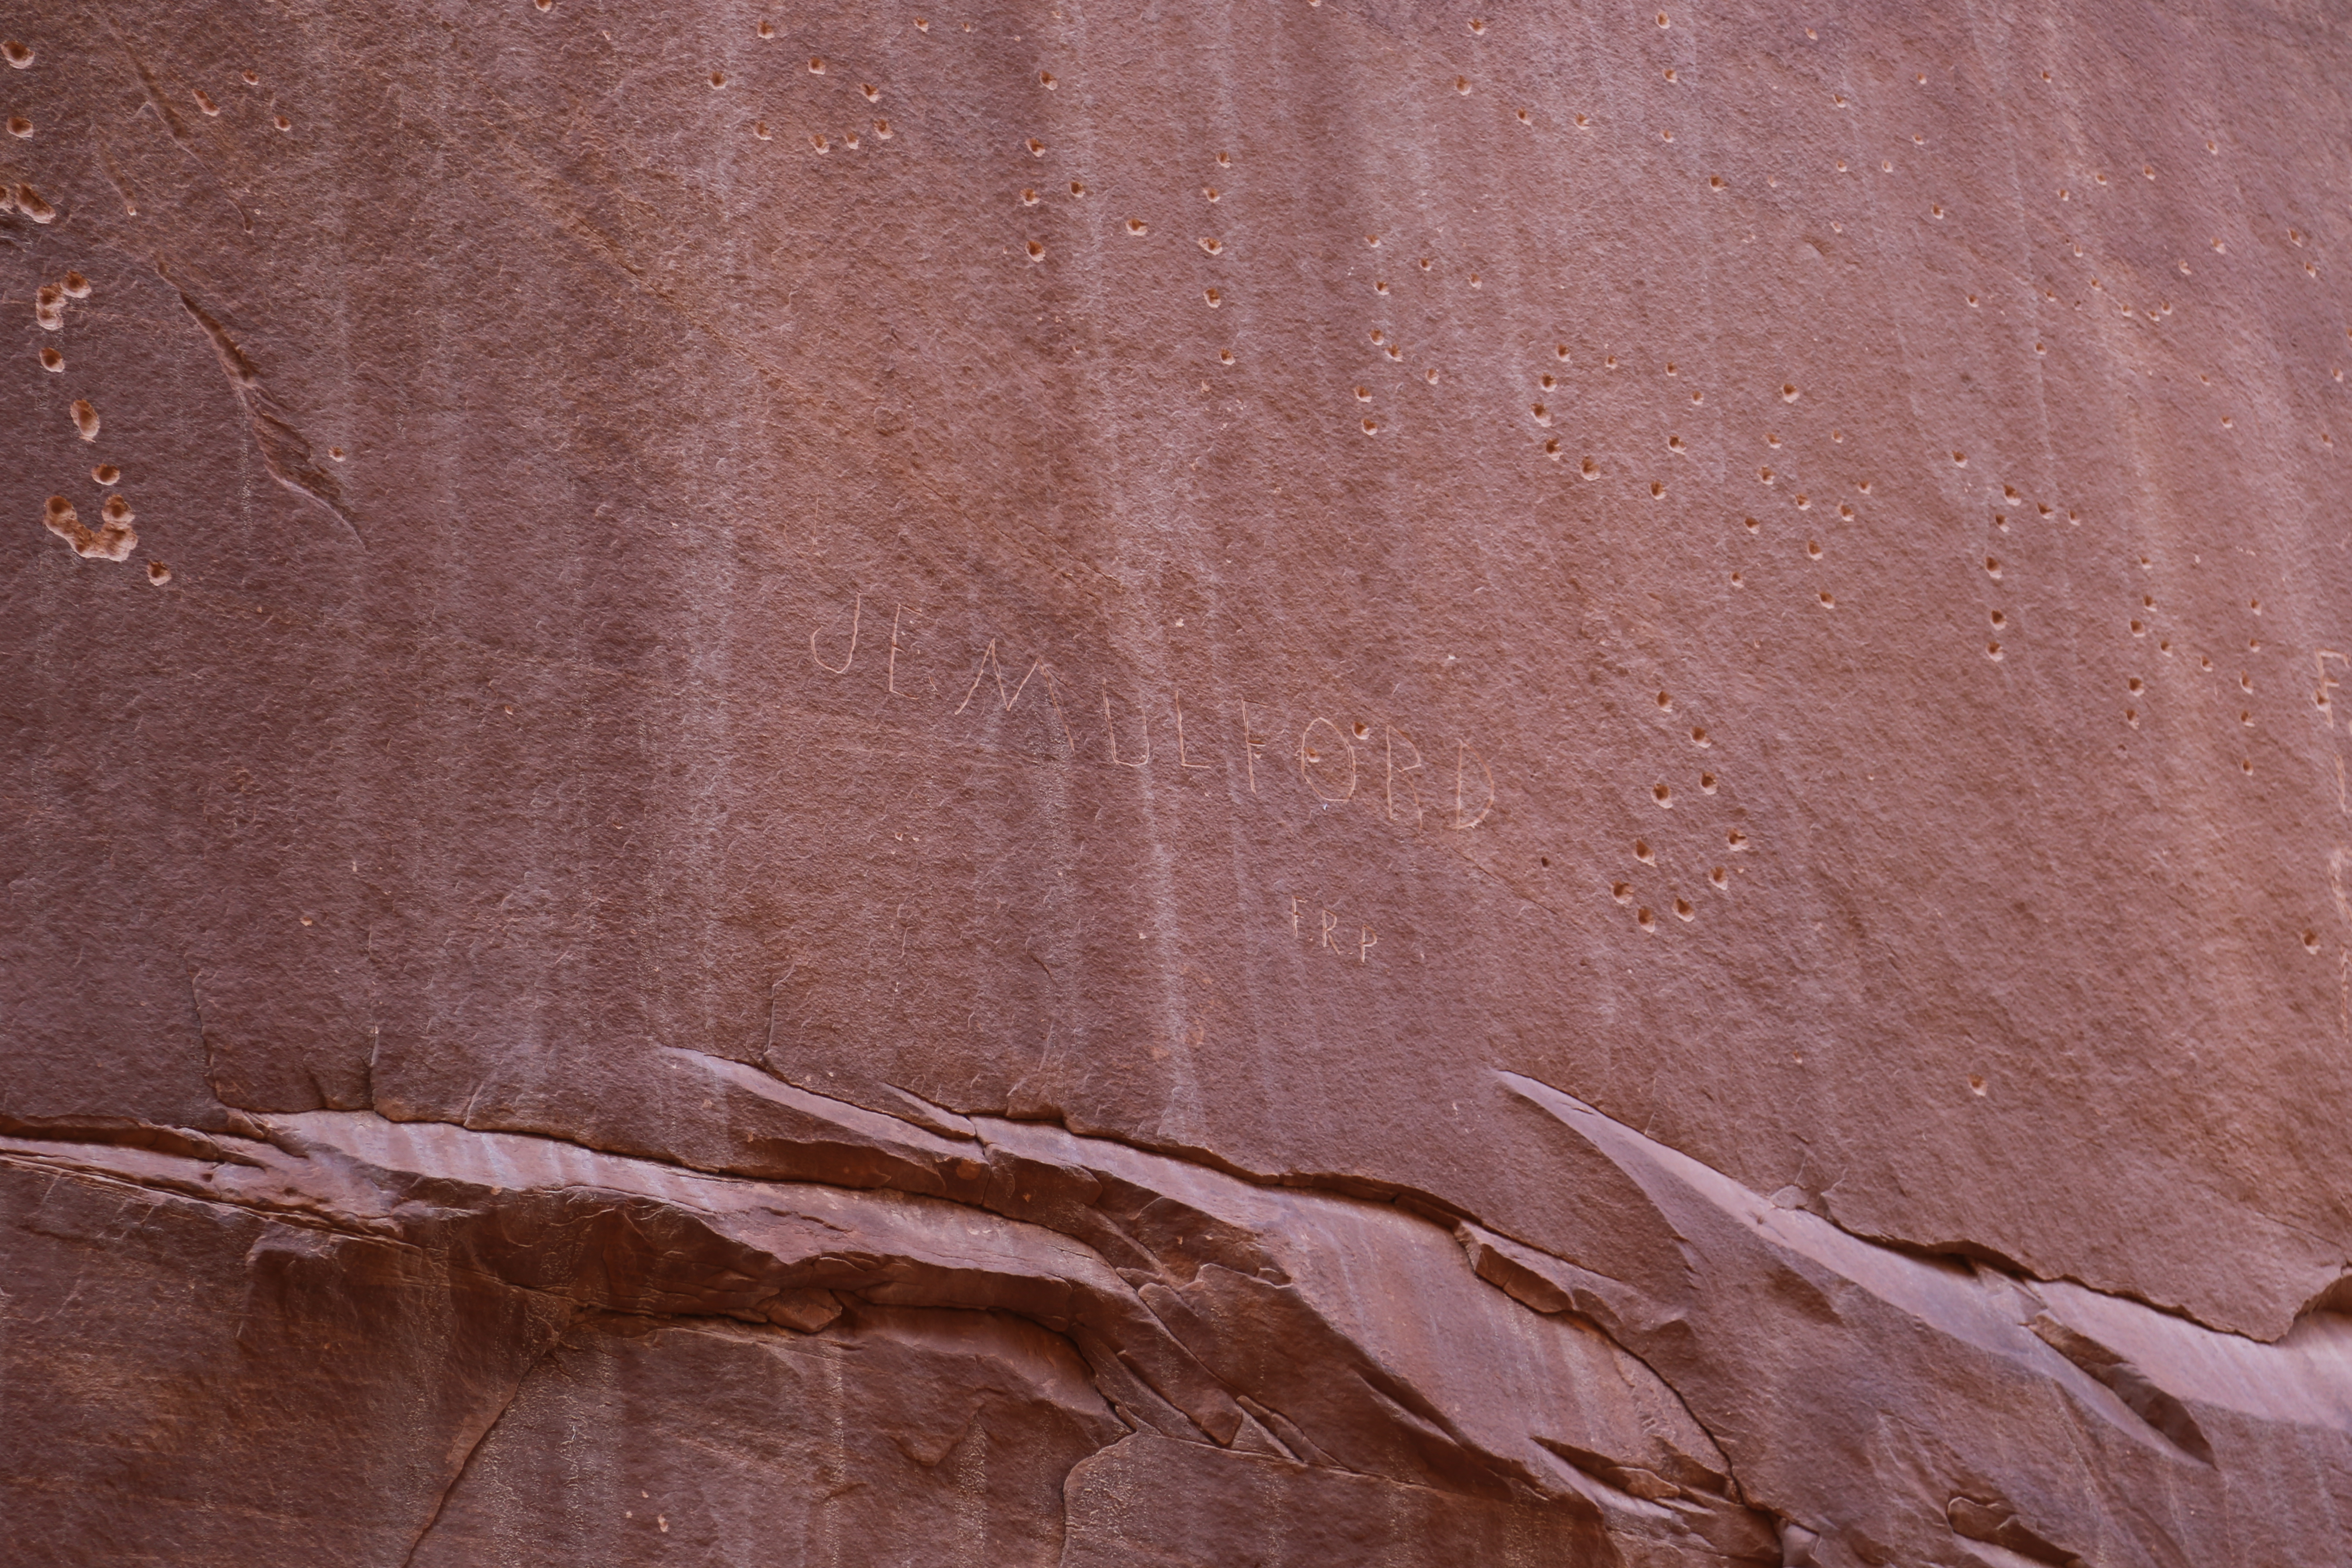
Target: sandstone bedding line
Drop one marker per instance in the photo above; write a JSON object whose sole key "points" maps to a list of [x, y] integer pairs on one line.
{"points": [[1790, 1391]]}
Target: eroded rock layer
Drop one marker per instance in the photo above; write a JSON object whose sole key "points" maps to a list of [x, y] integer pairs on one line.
{"points": [[1303, 783]]}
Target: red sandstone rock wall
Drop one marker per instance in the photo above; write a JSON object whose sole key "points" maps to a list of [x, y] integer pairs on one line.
{"points": [[1288, 784]]}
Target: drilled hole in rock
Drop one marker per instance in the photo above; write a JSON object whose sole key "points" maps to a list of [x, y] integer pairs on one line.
{"points": [[1621, 891], [203, 102], [1641, 852], [1028, 199], [1136, 226], [19, 54], [1462, 84], [1992, 564], [1813, 548], [1214, 246], [158, 574], [1804, 503], [1647, 920], [2139, 628], [85, 418], [1666, 700], [1225, 356], [1753, 526], [1543, 415], [106, 473], [1706, 783], [1552, 449], [1663, 795], [2000, 619], [760, 130], [1429, 375], [1738, 581], [1037, 251], [1609, 363], [2135, 685], [1212, 297], [882, 129], [1046, 79], [1371, 427], [1765, 474], [52, 360], [817, 141], [1590, 469], [1828, 600], [717, 79], [1225, 160], [1363, 394], [1788, 392], [1526, 119]]}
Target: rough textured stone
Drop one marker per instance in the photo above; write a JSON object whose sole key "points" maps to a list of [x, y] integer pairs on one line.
{"points": [[1300, 783]]}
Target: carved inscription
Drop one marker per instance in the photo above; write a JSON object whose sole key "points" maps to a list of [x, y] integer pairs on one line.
{"points": [[1330, 932], [1337, 761]]}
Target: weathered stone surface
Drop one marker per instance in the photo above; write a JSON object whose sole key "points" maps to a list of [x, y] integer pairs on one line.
{"points": [[1302, 783]]}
